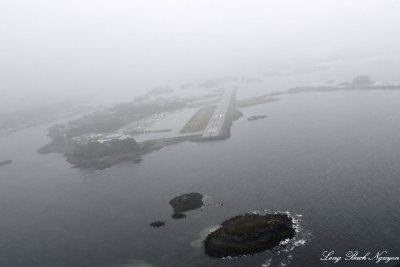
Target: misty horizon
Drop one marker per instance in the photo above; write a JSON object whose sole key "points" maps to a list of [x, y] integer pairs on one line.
{"points": [[193, 133], [52, 50]]}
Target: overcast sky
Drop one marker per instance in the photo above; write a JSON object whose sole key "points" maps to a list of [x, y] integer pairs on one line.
{"points": [[52, 49]]}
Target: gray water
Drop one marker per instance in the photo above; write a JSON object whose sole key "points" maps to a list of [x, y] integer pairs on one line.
{"points": [[330, 159]]}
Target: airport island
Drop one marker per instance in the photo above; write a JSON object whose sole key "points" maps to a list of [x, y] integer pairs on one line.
{"points": [[127, 131], [123, 132]]}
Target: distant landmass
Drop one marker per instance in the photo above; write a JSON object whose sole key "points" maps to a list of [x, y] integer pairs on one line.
{"points": [[109, 136]]}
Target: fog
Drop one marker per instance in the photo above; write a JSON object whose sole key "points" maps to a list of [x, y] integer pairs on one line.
{"points": [[52, 50], [188, 133]]}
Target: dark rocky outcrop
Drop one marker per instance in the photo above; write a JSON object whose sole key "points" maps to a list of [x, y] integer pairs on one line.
{"points": [[157, 224], [257, 117], [187, 202], [178, 216], [249, 234]]}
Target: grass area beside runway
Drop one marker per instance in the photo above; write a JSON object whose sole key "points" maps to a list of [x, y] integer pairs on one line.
{"points": [[199, 120]]}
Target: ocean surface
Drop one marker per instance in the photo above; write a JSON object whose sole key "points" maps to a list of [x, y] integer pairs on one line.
{"points": [[332, 160]]}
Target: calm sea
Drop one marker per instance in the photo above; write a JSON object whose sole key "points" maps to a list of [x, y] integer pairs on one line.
{"points": [[330, 159]]}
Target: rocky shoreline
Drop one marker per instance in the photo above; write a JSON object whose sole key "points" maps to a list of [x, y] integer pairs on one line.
{"points": [[249, 234], [257, 117], [102, 155], [180, 204]]}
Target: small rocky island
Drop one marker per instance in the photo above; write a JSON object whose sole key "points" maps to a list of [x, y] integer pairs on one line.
{"points": [[249, 234], [257, 117], [184, 203], [157, 224]]}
